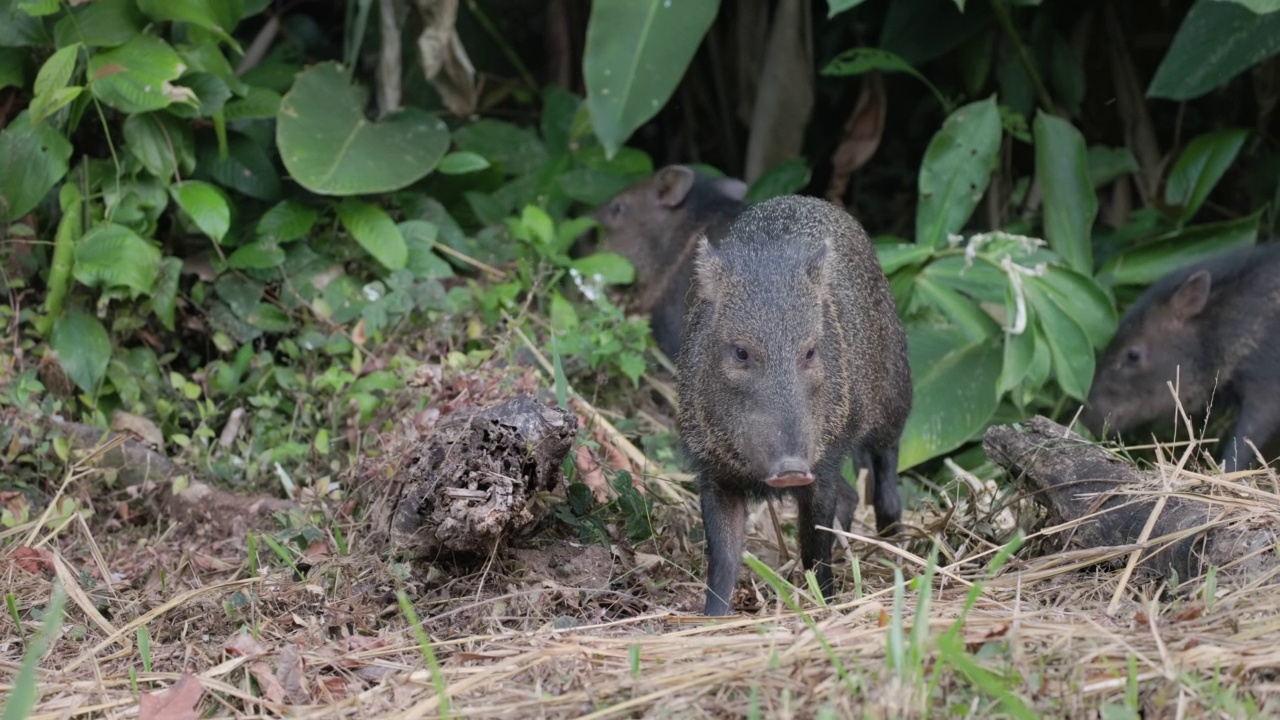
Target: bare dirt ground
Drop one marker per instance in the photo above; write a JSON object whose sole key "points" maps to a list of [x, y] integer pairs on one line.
{"points": [[189, 610]]}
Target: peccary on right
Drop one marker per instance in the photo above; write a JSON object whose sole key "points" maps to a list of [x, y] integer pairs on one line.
{"points": [[655, 224], [793, 359], [1212, 327]]}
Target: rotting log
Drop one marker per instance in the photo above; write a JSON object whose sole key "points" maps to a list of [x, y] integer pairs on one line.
{"points": [[475, 480], [1110, 503]]}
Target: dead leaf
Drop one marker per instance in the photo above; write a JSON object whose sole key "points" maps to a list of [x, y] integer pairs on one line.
{"points": [[290, 674], [270, 687], [318, 550], [861, 136], [335, 686], [444, 61], [143, 428], [176, 703], [36, 561], [359, 335], [784, 97], [245, 645], [1131, 105], [364, 643], [591, 474]]}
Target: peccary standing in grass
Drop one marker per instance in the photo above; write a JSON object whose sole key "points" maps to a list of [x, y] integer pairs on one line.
{"points": [[794, 358], [655, 224], [1213, 328]]}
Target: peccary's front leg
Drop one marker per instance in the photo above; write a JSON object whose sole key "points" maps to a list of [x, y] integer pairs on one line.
{"points": [[724, 520], [884, 482], [1258, 421], [818, 507]]}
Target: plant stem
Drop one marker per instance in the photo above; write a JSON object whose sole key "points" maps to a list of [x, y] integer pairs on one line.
{"points": [[525, 76], [1001, 11]]}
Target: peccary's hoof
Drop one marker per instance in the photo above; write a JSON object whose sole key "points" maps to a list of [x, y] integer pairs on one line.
{"points": [[789, 480]]}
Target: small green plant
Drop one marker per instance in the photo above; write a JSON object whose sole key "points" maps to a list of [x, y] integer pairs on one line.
{"points": [[428, 653], [26, 691]]}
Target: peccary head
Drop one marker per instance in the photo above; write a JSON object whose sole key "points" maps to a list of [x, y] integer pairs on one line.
{"points": [[1161, 339], [761, 379], [644, 221]]}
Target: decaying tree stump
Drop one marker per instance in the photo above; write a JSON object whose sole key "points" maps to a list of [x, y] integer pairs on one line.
{"points": [[474, 480], [1076, 480]]}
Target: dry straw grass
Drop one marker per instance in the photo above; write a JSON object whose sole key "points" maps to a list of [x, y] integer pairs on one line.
{"points": [[1067, 634]]}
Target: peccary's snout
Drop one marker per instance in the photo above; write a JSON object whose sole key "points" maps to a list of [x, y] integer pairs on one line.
{"points": [[789, 472]]}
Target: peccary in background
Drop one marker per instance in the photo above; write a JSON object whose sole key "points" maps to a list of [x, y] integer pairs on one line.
{"points": [[655, 224], [1213, 328], [794, 358]]}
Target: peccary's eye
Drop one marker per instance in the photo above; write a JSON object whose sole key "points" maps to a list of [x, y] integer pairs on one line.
{"points": [[741, 353], [1133, 356], [617, 209], [813, 351]]}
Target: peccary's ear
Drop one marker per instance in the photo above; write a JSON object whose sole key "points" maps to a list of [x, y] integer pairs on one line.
{"points": [[674, 184], [708, 270], [732, 188], [815, 264], [1190, 297]]}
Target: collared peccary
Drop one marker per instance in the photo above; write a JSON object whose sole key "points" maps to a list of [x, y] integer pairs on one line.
{"points": [[655, 224], [794, 358], [1212, 327]]}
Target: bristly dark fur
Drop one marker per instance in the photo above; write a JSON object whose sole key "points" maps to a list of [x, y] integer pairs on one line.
{"points": [[1213, 328], [793, 274]]}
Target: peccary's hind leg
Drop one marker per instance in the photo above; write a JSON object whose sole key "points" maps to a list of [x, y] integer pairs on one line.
{"points": [[884, 482], [818, 507], [724, 519]]}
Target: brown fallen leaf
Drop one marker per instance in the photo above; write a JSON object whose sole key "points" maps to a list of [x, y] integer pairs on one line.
{"points": [[245, 645], [268, 685], [444, 60], [176, 703], [145, 430], [36, 561], [591, 474], [291, 676], [861, 136]]}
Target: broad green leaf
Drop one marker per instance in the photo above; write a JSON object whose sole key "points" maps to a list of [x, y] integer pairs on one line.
{"points": [[164, 297], [114, 256], [835, 7], [1199, 169], [43, 106], [1069, 203], [1106, 164], [83, 348], [161, 142], [39, 8], [894, 257], [287, 221], [18, 29], [636, 53], [136, 77], [1261, 7], [13, 67], [220, 16], [592, 187], [56, 71], [972, 322], [1069, 347], [32, 160], [105, 23], [1080, 298], [612, 268], [247, 168], [206, 207], [921, 30], [563, 317], [373, 229], [956, 171], [257, 104], [461, 163], [785, 178], [1152, 261], [259, 255], [420, 237], [1216, 42], [857, 61], [953, 397], [1019, 351], [518, 150], [330, 148], [199, 94]]}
